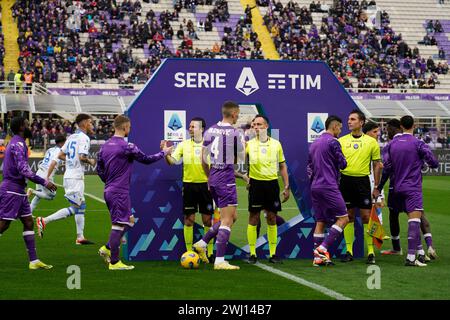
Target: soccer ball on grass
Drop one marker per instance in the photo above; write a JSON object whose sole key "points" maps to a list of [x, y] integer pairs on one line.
{"points": [[190, 260]]}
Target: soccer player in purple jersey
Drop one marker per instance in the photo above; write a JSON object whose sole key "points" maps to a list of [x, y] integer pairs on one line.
{"points": [[13, 198], [405, 157], [324, 162], [224, 144], [394, 130], [114, 163]]}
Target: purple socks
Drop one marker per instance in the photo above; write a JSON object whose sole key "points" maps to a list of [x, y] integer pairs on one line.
{"points": [[28, 237], [223, 235], [333, 233], [413, 237], [114, 243], [212, 232]]}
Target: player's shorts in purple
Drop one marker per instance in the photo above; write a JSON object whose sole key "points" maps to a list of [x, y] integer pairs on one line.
{"points": [[410, 201], [119, 206], [13, 205], [224, 195], [328, 204]]}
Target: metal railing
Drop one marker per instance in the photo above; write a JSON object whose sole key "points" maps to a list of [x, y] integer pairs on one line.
{"points": [[14, 87]]}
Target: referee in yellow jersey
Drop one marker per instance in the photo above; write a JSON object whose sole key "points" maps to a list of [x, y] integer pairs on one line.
{"points": [[265, 157], [196, 196], [359, 151]]}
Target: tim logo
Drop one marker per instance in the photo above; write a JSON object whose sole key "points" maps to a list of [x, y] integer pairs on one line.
{"points": [[175, 122], [317, 125], [247, 82]]}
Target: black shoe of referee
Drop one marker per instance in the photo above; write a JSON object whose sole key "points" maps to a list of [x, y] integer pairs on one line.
{"points": [[275, 259], [347, 257], [252, 259], [212, 258], [370, 259]]}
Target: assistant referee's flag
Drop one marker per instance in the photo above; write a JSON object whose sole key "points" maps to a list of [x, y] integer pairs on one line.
{"points": [[376, 230]]}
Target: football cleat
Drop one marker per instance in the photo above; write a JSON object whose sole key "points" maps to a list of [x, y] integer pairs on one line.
{"points": [[41, 226], [322, 254], [432, 253], [275, 259], [252, 259], [119, 265], [391, 252], [83, 242], [370, 259], [105, 253], [39, 265], [225, 266], [423, 258], [347, 257], [317, 262], [202, 252], [415, 263]]}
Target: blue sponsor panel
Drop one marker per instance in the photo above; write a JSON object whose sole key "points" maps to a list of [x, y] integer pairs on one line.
{"points": [[296, 96]]}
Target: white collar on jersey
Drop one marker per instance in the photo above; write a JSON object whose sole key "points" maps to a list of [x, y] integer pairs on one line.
{"points": [[398, 134], [223, 124]]}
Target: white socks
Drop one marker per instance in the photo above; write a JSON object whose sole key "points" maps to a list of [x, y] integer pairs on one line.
{"points": [[202, 243], [58, 215], [219, 260], [79, 220]]}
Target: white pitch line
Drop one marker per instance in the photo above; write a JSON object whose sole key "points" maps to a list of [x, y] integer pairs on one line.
{"points": [[306, 283]]}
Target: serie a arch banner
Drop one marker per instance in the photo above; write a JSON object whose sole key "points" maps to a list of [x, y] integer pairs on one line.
{"points": [[296, 97]]}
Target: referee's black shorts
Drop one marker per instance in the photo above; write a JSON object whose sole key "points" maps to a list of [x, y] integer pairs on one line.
{"points": [[264, 195], [356, 192], [197, 198]]}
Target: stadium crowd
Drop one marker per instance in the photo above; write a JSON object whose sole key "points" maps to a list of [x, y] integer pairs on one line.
{"points": [[52, 45], [375, 57], [46, 128], [372, 57]]}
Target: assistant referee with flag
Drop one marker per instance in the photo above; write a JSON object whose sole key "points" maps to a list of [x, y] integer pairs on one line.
{"points": [[359, 151]]}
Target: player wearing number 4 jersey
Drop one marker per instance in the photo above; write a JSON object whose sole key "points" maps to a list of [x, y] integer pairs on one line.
{"points": [[47, 170], [75, 152], [223, 143]]}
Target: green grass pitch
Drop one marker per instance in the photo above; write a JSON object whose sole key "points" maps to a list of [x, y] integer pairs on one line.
{"points": [[167, 280]]}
